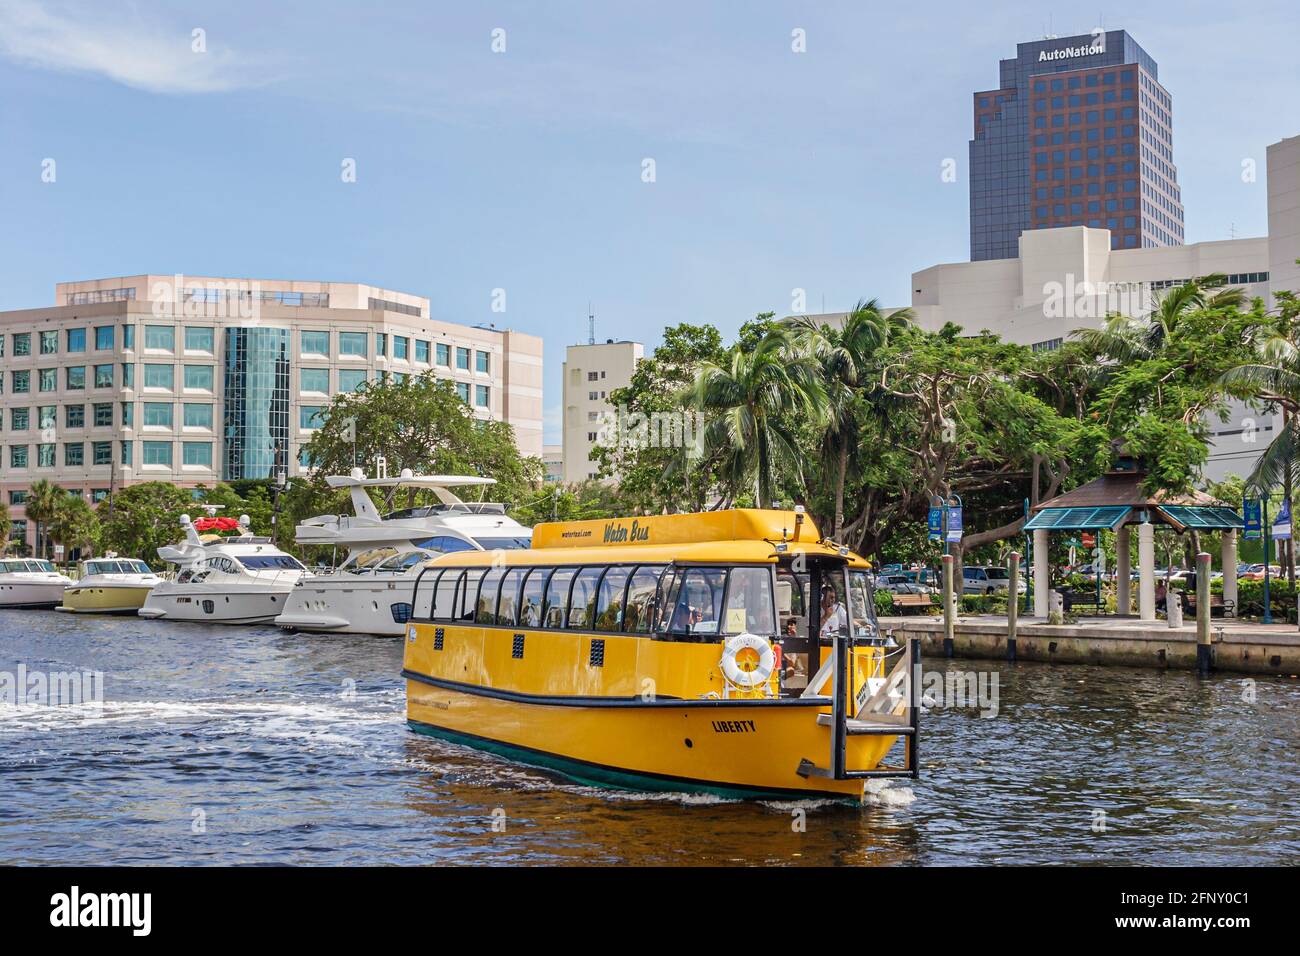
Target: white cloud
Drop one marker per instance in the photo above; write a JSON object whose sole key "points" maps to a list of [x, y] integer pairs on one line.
{"points": [[123, 48]]}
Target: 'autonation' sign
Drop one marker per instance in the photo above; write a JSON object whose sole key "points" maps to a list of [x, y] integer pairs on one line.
{"points": [[1070, 52]]}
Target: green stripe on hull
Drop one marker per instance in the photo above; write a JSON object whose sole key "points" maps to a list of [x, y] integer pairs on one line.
{"points": [[595, 775]]}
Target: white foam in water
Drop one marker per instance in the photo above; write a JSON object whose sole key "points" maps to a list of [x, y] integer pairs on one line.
{"points": [[881, 793], [270, 719]]}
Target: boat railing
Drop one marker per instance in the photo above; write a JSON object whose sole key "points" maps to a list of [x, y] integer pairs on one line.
{"points": [[888, 707]]}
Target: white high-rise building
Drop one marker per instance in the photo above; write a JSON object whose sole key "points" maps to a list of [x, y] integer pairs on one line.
{"points": [[591, 374]]}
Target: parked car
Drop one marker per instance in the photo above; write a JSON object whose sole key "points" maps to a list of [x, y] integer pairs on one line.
{"points": [[1256, 572], [988, 581], [924, 577], [899, 584]]}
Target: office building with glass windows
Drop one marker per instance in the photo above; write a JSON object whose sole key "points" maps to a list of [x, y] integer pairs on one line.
{"points": [[195, 380], [1079, 132]]}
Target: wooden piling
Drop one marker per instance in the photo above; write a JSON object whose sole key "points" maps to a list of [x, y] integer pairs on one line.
{"points": [[948, 609], [1204, 649]]}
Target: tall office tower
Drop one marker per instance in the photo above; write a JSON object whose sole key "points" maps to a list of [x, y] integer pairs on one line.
{"points": [[1078, 133]]}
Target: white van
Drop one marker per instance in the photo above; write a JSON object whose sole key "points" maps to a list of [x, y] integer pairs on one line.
{"points": [[987, 581]]}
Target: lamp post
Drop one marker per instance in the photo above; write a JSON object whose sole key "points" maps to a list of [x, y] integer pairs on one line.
{"points": [[1265, 530]]}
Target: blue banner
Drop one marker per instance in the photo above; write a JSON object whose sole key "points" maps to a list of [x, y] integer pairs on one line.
{"points": [[936, 524], [1250, 516], [954, 524], [1282, 523]]}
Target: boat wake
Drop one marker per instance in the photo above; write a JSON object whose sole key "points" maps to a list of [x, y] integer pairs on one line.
{"points": [[336, 724]]}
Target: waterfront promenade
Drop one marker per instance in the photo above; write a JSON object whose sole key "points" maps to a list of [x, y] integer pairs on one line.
{"points": [[1244, 646]]}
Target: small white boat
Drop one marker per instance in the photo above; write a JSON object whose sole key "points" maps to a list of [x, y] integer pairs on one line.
{"points": [[31, 582], [110, 585], [371, 591], [242, 579]]}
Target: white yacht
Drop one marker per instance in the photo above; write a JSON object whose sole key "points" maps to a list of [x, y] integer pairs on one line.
{"points": [[241, 579], [110, 585], [370, 592], [31, 582]]}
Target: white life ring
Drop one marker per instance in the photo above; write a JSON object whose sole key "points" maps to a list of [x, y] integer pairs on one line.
{"points": [[749, 675]]}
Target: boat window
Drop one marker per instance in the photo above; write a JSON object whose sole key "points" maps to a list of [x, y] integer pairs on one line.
{"points": [[609, 603], [749, 607], [444, 544], [512, 543], [582, 603], [270, 562], [444, 595], [531, 598], [557, 598], [642, 608], [469, 595], [833, 615], [696, 601], [44, 566], [508, 606], [422, 601], [487, 597], [367, 561], [405, 561], [862, 604]]}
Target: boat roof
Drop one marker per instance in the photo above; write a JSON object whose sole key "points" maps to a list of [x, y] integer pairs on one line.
{"points": [[358, 480], [736, 536]]}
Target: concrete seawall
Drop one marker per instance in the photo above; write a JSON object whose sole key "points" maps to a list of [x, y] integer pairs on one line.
{"points": [[1240, 647]]}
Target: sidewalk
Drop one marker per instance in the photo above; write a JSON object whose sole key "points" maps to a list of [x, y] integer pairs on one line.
{"points": [[1245, 646]]}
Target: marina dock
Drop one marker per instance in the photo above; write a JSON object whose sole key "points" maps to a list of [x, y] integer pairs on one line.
{"points": [[1242, 646]]}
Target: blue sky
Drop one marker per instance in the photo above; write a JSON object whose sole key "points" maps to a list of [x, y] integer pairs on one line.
{"points": [[522, 170]]}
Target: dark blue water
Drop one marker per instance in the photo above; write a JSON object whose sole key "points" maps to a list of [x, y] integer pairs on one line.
{"points": [[248, 745]]}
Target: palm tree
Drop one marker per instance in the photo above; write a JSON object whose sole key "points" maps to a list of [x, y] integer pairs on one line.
{"points": [[74, 524], [752, 403], [843, 356], [4, 527], [43, 500]]}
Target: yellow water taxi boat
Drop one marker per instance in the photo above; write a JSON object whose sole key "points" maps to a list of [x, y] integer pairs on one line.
{"points": [[110, 585], [731, 652]]}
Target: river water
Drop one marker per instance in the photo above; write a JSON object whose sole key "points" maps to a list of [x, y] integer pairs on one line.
{"points": [[249, 745]]}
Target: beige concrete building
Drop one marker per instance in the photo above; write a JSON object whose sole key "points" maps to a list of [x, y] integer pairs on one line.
{"points": [[591, 373], [194, 380]]}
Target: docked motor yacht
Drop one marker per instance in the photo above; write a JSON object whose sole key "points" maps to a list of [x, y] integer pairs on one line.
{"points": [[31, 582], [240, 579], [370, 591], [110, 585]]}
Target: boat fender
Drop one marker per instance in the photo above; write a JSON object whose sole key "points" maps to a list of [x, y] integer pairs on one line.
{"points": [[740, 676]]}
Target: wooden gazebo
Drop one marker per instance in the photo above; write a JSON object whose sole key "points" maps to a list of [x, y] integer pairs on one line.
{"points": [[1116, 502]]}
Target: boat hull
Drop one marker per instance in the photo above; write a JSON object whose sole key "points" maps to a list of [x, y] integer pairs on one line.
{"points": [[36, 594], [348, 607], [210, 607], [104, 600], [733, 749]]}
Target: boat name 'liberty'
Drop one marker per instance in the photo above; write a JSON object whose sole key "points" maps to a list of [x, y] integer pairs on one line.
{"points": [[734, 727]]}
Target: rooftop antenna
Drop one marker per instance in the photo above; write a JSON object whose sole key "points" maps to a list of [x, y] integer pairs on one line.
{"points": [[591, 325], [1232, 230]]}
